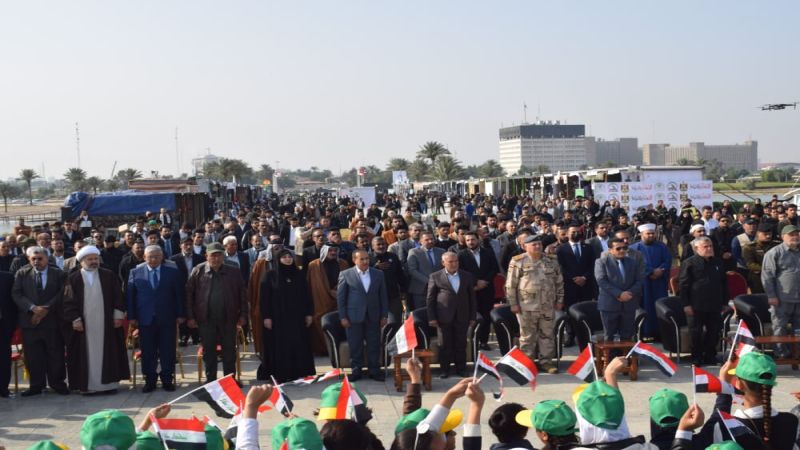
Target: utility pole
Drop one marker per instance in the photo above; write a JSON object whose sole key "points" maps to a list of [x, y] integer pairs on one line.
{"points": [[78, 143]]}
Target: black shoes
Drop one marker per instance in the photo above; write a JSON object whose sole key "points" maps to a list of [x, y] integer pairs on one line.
{"points": [[62, 390], [378, 377], [169, 387], [30, 392], [355, 376], [148, 388]]}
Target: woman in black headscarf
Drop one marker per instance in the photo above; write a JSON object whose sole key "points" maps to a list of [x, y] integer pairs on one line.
{"points": [[287, 312]]}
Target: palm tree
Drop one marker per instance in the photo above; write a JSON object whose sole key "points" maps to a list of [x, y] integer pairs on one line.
{"points": [[418, 170], [685, 162], [397, 164], [94, 183], [227, 169], [126, 175], [112, 184], [8, 190], [28, 175], [447, 168], [432, 150], [491, 168], [541, 169], [76, 178]]}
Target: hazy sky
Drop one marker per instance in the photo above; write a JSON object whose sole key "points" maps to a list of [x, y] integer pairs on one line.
{"points": [[342, 83]]}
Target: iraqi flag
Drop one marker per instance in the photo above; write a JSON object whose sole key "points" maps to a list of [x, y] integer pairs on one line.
{"points": [[484, 365], [584, 365], [181, 434], [518, 367], [743, 342], [281, 401], [350, 406], [663, 362], [704, 381], [405, 339], [305, 381], [733, 425], [224, 396]]}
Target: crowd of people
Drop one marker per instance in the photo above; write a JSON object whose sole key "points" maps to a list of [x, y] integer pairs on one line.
{"points": [[270, 271]]}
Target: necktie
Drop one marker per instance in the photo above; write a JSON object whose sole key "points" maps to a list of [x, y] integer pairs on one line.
{"points": [[168, 247], [621, 269], [577, 249], [430, 258], [154, 278], [38, 279]]}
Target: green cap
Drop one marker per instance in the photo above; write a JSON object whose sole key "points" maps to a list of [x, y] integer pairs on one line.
{"points": [[214, 247], [788, 229], [725, 445], [108, 427], [412, 419], [146, 440], [50, 445], [667, 407], [330, 397], [756, 367], [551, 416], [601, 405], [214, 439], [296, 433]]}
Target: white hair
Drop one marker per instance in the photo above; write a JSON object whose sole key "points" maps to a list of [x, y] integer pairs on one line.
{"points": [[35, 250], [229, 239], [153, 249], [699, 240]]}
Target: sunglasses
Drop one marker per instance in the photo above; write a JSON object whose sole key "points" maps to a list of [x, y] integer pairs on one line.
{"points": [[623, 248]]}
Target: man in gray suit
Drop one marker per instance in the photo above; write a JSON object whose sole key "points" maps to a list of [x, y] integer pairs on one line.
{"points": [[619, 278], [38, 291], [422, 262], [363, 307]]}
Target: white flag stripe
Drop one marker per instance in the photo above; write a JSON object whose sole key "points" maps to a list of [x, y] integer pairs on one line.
{"points": [[197, 437]]}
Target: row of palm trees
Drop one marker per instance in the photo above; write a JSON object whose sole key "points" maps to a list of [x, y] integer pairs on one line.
{"points": [[435, 162]]}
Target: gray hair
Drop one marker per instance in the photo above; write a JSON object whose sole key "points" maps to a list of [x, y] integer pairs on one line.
{"points": [[35, 250], [697, 241], [153, 249], [229, 239], [449, 254]]}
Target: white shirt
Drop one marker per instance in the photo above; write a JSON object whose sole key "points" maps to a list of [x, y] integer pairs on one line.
{"points": [[477, 254], [59, 261], [365, 279], [710, 224], [454, 279]]}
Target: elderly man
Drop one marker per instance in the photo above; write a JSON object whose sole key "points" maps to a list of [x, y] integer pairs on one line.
{"points": [[657, 262], [780, 275], [216, 302], [155, 295], [704, 293], [363, 308], [323, 276], [38, 292], [235, 258], [96, 355]]}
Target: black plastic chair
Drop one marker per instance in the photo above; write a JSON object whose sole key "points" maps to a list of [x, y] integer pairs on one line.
{"points": [[587, 321], [641, 316], [426, 334], [675, 336], [335, 338], [562, 320], [754, 310], [506, 327]]}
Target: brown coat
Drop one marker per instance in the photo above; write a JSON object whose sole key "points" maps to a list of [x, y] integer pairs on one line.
{"points": [[324, 301], [198, 288], [260, 269], [115, 355]]}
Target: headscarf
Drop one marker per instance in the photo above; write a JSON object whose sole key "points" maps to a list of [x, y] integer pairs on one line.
{"points": [[323, 252], [282, 271]]}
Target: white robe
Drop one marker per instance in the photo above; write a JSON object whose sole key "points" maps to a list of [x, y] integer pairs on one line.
{"points": [[94, 327]]}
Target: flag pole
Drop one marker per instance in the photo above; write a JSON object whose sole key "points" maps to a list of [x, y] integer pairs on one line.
{"points": [[280, 391], [591, 355], [726, 426], [481, 378], [694, 387], [632, 349], [194, 390], [475, 373], [154, 424], [735, 337]]}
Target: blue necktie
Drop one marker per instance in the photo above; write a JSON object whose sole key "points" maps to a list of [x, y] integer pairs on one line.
{"points": [[154, 278], [430, 257]]}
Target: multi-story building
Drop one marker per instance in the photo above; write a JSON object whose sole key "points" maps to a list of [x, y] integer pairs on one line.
{"points": [[558, 146], [621, 152], [736, 156]]}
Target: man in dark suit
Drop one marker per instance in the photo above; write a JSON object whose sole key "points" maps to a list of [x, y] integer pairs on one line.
{"points": [[38, 291], [452, 309], [186, 260], [242, 226], [393, 273], [481, 263], [599, 242], [8, 323], [363, 307], [156, 304], [422, 262], [311, 252], [576, 259], [170, 242], [619, 278]]}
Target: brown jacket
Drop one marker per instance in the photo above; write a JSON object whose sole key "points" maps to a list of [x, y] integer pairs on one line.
{"points": [[198, 288]]}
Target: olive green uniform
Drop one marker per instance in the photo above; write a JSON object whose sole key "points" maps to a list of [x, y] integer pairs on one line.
{"points": [[536, 287], [753, 256]]}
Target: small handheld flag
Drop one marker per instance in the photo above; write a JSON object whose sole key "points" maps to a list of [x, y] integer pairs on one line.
{"points": [[663, 362], [584, 365], [405, 339], [518, 367]]}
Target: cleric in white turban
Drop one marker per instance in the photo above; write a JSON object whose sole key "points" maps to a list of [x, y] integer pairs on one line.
{"points": [[647, 227], [96, 354]]}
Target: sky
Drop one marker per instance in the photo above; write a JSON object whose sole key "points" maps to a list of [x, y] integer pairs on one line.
{"points": [[348, 83]]}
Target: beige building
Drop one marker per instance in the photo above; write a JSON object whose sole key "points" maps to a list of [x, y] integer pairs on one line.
{"points": [[558, 146], [737, 156], [621, 152]]}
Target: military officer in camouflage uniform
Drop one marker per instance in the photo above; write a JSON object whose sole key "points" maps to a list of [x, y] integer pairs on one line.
{"points": [[535, 290], [753, 256]]}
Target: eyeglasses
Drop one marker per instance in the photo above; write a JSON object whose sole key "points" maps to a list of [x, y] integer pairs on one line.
{"points": [[317, 236], [623, 248]]}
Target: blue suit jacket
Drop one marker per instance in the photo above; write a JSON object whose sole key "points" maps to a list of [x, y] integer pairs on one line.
{"points": [[359, 306], [611, 284], [160, 306]]}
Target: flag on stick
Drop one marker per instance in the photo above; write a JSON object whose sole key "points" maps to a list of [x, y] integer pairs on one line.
{"points": [[734, 427], [743, 341], [223, 395], [335, 373], [181, 434], [663, 362], [405, 339], [350, 406], [518, 367], [280, 400], [584, 365], [485, 365], [704, 381]]}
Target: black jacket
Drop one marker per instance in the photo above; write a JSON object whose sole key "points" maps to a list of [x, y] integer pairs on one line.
{"points": [[702, 284]]}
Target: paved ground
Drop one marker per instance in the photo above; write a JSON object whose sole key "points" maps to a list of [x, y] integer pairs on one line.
{"points": [[23, 421]]}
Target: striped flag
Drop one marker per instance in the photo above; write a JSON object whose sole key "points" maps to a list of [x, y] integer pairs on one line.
{"points": [[704, 381], [733, 425], [405, 339], [305, 381], [181, 434], [281, 401], [663, 362], [485, 365], [584, 365], [743, 342], [350, 406], [224, 396], [518, 367]]}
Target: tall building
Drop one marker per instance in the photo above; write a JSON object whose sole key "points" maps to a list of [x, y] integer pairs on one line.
{"points": [[553, 144], [621, 152], [736, 156], [200, 162]]}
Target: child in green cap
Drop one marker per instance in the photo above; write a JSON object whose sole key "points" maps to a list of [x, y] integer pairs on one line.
{"points": [[667, 406], [755, 375], [554, 423]]}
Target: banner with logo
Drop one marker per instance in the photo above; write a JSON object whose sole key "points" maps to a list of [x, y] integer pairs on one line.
{"points": [[633, 195], [359, 195]]}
